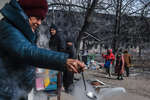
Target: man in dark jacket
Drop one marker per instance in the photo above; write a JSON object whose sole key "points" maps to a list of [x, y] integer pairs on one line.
{"points": [[67, 75], [57, 39], [19, 54], [60, 42]]}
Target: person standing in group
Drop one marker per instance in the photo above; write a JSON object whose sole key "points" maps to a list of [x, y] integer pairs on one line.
{"points": [[119, 65], [67, 75], [127, 62], [109, 57], [19, 53], [57, 40]]}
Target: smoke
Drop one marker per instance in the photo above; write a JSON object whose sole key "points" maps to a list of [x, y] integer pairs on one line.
{"points": [[79, 92], [110, 93], [20, 95]]}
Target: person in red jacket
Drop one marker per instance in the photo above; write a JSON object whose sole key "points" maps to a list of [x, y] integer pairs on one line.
{"points": [[109, 57]]}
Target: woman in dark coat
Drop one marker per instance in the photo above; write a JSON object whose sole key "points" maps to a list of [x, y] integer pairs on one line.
{"points": [[119, 66], [19, 53]]}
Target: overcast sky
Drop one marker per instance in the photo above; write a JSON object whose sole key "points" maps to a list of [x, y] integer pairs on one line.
{"points": [[131, 8]]}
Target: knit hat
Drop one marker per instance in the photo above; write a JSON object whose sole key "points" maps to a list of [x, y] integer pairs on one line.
{"points": [[36, 8], [53, 26]]}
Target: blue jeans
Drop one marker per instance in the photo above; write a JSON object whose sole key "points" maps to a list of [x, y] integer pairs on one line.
{"points": [[109, 70]]}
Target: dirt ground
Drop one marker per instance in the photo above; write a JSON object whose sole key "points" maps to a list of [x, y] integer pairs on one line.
{"points": [[137, 85]]}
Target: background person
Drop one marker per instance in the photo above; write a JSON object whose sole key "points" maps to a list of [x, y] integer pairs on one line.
{"points": [[57, 39], [109, 57], [57, 42], [119, 65], [67, 75], [127, 62]]}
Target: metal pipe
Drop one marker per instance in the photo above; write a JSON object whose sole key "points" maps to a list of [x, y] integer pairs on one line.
{"points": [[83, 80]]}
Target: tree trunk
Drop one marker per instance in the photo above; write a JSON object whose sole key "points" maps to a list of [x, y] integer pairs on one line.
{"points": [[117, 26], [87, 22]]}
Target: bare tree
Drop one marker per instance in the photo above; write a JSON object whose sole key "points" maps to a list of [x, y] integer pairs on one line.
{"points": [[126, 28], [87, 21]]}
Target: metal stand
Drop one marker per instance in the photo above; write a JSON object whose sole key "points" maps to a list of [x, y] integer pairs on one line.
{"points": [[59, 86]]}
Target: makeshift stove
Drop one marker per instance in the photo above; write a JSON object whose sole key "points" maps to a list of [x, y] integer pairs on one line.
{"points": [[105, 90]]}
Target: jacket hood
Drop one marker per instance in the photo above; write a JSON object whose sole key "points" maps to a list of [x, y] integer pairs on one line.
{"points": [[53, 26], [16, 16]]}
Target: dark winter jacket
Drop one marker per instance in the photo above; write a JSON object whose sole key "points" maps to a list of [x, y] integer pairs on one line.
{"points": [[18, 53], [58, 42], [71, 50]]}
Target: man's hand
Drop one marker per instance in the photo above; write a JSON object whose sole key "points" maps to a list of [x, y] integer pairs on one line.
{"points": [[75, 66]]}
